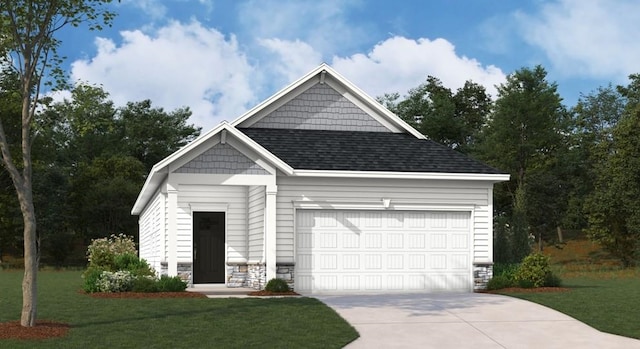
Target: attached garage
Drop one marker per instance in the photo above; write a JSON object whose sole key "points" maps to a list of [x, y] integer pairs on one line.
{"points": [[351, 251]]}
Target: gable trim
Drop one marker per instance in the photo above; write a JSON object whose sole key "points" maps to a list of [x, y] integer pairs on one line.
{"points": [[160, 170], [340, 84]]}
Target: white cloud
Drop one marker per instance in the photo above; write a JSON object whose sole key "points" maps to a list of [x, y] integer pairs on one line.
{"points": [[596, 38], [398, 64], [292, 59], [153, 8], [324, 25], [178, 65]]}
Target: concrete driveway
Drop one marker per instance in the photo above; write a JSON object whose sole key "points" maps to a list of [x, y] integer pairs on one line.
{"points": [[465, 321]]}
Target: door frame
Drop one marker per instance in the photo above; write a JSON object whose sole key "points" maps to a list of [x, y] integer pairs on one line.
{"points": [[209, 207]]}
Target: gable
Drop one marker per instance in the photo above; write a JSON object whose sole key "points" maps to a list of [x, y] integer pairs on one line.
{"points": [[321, 108], [222, 159]]}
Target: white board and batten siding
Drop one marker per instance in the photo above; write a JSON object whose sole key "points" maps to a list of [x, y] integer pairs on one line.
{"points": [[231, 199], [152, 231]]}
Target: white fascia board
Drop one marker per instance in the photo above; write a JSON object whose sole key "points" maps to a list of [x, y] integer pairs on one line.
{"points": [[404, 175], [150, 187]]}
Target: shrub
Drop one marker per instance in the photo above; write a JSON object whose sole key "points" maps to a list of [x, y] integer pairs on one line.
{"points": [[102, 252], [171, 284], [552, 280], [277, 285], [499, 282], [90, 279], [130, 262], [119, 281], [145, 284], [533, 270], [505, 269]]}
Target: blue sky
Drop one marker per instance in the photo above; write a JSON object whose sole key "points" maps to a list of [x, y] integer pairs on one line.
{"points": [[220, 58]]}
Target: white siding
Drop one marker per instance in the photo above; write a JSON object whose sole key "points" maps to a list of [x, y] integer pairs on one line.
{"points": [[414, 192], [256, 223], [152, 232], [235, 197]]}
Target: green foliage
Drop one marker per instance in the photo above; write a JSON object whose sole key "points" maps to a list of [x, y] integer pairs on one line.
{"points": [[118, 281], [613, 207], [171, 284], [277, 285], [90, 279], [499, 282], [452, 119], [145, 284], [102, 252], [138, 267], [534, 271]]}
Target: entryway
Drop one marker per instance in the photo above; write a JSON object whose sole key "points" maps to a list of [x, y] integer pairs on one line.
{"points": [[208, 247]]}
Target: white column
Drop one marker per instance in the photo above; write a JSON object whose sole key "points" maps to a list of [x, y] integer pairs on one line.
{"points": [[270, 231], [172, 230]]}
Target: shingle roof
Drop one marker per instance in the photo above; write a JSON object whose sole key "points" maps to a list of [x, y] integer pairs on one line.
{"points": [[363, 151]]}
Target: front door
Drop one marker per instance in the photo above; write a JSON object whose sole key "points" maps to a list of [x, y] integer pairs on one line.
{"points": [[208, 247]]}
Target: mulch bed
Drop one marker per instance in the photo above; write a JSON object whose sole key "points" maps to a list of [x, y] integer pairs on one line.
{"points": [[530, 290], [264, 293], [42, 330], [147, 295]]}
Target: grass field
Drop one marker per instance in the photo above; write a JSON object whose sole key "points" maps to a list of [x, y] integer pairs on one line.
{"points": [[173, 322], [602, 294]]}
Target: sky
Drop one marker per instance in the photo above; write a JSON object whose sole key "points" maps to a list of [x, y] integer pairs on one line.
{"points": [[221, 58]]}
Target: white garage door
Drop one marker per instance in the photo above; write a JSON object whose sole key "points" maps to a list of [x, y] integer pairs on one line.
{"points": [[382, 251]]}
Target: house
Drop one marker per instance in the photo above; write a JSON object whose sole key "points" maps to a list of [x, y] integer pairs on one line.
{"points": [[324, 187]]}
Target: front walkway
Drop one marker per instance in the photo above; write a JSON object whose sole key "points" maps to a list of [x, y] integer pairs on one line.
{"points": [[465, 321]]}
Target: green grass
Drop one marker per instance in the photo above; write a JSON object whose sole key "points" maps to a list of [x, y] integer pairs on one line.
{"points": [[172, 323], [609, 305], [603, 294]]}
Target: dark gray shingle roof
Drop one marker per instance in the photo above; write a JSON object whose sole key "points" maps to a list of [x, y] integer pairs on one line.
{"points": [[363, 151]]}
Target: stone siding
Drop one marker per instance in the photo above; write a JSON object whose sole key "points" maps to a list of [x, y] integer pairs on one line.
{"points": [[256, 276], [321, 108], [222, 159], [237, 275], [482, 273], [286, 272], [185, 272]]}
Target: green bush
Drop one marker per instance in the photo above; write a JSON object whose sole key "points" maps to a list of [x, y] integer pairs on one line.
{"points": [[133, 264], [277, 285], [90, 279], [505, 269], [145, 284], [102, 252], [499, 282], [533, 270], [552, 280], [171, 284]]}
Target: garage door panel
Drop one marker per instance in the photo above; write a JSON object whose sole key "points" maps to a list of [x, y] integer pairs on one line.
{"points": [[382, 251]]}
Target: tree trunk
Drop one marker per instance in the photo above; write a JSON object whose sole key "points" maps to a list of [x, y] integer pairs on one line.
{"points": [[560, 238], [29, 281]]}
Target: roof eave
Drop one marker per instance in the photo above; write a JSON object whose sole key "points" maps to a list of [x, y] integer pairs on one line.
{"points": [[489, 177]]}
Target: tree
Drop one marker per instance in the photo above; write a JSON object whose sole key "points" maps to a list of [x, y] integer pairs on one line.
{"points": [[613, 208], [450, 119], [523, 136], [594, 118], [27, 39]]}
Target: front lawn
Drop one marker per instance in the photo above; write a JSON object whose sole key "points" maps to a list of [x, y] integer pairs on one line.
{"points": [[607, 302], [172, 322]]}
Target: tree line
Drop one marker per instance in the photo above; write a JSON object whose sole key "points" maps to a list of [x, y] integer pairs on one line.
{"points": [[572, 168], [90, 159]]}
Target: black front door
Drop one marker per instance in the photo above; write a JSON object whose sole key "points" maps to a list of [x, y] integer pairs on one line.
{"points": [[208, 247]]}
